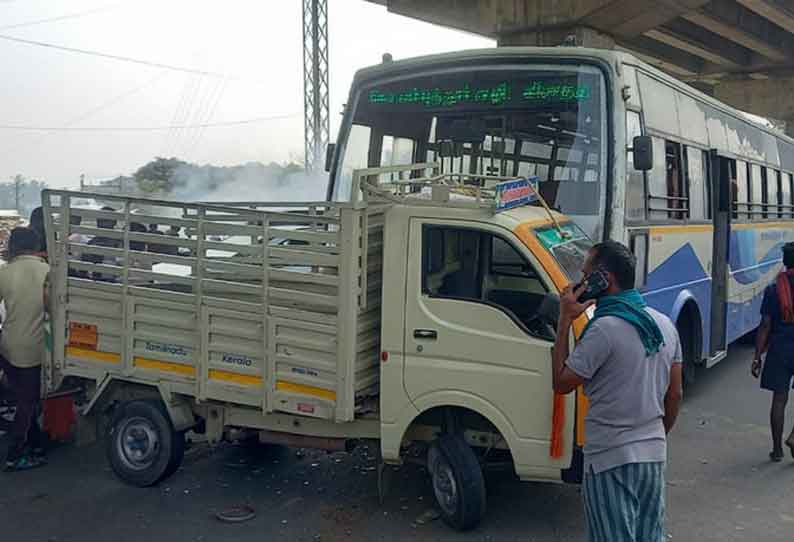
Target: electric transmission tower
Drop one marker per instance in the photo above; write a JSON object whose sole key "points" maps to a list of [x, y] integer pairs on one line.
{"points": [[315, 81]]}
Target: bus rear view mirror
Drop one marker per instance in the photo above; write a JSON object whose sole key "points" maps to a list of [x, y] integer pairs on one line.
{"points": [[643, 153]]}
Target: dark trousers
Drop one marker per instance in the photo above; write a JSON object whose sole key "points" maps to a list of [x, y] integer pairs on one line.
{"points": [[25, 385]]}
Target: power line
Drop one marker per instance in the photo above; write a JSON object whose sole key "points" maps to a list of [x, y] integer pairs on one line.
{"points": [[182, 113], [143, 128], [120, 58], [114, 100], [94, 110], [61, 17], [211, 113], [199, 113]]}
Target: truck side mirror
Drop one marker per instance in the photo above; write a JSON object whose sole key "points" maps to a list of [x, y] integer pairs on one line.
{"points": [[329, 156], [643, 153]]}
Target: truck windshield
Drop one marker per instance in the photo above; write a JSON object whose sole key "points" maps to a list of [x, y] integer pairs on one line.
{"points": [[570, 251], [547, 121]]}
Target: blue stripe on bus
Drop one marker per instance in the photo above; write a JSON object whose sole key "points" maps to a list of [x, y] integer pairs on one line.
{"points": [[681, 277]]}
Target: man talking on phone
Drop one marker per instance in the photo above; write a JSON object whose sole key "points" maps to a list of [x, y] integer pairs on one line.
{"points": [[629, 361]]}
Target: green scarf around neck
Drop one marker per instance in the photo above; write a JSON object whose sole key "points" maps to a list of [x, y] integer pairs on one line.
{"points": [[629, 305]]}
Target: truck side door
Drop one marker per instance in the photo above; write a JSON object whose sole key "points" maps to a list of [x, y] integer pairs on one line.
{"points": [[472, 336]]}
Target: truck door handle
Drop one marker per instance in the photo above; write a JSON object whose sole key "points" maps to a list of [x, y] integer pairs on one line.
{"points": [[426, 334]]}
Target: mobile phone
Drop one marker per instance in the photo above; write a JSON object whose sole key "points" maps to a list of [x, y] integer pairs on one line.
{"points": [[597, 284]]}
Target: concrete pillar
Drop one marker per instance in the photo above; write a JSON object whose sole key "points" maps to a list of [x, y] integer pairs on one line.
{"points": [[773, 98], [580, 36]]}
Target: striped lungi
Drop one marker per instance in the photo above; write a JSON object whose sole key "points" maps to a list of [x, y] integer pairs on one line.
{"points": [[625, 504]]}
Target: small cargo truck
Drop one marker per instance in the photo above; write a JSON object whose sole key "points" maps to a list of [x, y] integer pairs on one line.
{"points": [[414, 313]]}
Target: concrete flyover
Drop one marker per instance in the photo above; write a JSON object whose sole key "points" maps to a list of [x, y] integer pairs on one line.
{"points": [[740, 51]]}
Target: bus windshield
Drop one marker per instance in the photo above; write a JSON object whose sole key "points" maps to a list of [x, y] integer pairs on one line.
{"points": [[544, 121]]}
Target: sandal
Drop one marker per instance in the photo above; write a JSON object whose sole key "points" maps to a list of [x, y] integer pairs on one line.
{"points": [[23, 463], [776, 457]]}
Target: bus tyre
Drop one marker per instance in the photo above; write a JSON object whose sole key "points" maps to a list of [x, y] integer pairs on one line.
{"points": [[458, 482], [688, 366], [142, 446]]}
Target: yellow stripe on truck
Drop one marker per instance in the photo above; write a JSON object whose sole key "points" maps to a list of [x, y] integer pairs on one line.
{"points": [[93, 355], [235, 378], [164, 366], [306, 390]]}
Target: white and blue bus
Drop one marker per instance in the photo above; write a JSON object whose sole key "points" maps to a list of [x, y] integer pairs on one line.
{"points": [[701, 194]]}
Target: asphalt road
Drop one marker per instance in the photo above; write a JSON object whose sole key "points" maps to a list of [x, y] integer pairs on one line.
{"points": [[721, 487]]}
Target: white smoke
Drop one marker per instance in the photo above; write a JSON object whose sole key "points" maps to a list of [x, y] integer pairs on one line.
{"points": [[252, 182]]}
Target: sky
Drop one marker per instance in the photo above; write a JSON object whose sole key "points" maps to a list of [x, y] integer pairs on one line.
{"points": [[252, 47]]}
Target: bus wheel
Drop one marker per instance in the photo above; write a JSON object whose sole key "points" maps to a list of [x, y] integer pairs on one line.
{"points": [[458, 482], [689, 365], [142, 446]]}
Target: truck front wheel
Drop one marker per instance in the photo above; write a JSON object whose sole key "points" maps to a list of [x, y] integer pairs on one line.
{"points": [[458, 482], [142, 446]]}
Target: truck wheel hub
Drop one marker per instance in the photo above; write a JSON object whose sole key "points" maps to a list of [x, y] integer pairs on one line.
{"points": [[137, 443]]}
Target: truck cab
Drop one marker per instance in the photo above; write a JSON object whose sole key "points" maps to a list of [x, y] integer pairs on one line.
{"points": [[469, 327]]}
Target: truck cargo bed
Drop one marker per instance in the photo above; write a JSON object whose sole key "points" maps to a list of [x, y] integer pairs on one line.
{"points": [[275, 307]]}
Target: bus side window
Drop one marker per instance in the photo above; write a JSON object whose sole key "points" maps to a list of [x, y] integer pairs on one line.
{"points": [[757, 192], [677, 194], [727, 187], [741, 206], [635, 180], [766, 192], [668, 195], [639, 247], [776, 192], [697, 177]]}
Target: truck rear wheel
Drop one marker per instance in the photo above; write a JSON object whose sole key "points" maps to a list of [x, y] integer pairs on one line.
{"points": [[142, 446], [458, 482]]}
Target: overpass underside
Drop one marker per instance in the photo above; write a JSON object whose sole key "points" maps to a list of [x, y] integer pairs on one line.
{"points": [[740, 51]]}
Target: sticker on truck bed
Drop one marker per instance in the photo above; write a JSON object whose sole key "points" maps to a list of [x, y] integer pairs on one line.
{"points": [[83, 335], [237, 360], [304, 371], [164, 348]]}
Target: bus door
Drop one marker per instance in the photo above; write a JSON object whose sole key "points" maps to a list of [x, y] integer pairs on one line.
{"points": [[722, 180]]}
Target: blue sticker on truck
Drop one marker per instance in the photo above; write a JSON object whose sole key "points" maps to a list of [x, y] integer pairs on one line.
{"points": [[512, 194]]}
